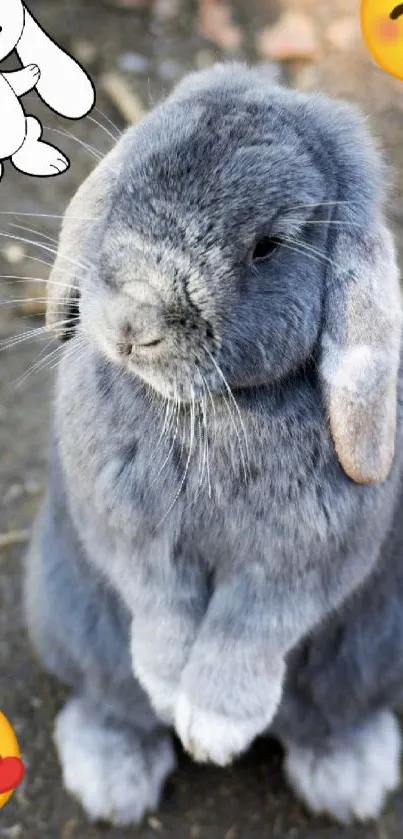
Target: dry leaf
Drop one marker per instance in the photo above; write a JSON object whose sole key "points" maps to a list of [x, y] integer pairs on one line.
{"points": [[215, 24], [343, 33], [123, 97], [294, 36]]}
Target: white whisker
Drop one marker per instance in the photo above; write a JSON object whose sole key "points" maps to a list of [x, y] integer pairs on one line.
{"points": [[103, 127], [109, 121], [32, 334], [181, 485], [35, 231], [323, 221], [317, 204], [162, 467], [236, 406], [44, 247], [304, 248], [48, 215], [17, 279], [23, 300], [36, 366], [96, 153]]}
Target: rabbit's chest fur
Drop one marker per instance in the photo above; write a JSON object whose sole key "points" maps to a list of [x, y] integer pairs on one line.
{"points": [[265, 484]]}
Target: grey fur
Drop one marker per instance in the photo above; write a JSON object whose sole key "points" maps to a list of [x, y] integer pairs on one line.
{"points": [[257, 585]]}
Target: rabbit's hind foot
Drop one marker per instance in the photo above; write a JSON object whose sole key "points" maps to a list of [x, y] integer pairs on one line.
{"points": [[115, 772], [349, 777]]}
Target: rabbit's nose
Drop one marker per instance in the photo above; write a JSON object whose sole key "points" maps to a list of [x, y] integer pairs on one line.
{"points": [[143, 330]]}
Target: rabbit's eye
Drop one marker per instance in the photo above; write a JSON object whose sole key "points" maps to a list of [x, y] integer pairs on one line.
{"points": [[264, 247]]}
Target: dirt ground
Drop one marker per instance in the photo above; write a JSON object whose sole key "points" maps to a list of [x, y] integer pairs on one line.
{"points": [[251, 799]]}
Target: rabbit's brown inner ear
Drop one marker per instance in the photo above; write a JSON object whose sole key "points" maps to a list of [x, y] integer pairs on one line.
{"points": [[363, 431], [361, 354]]}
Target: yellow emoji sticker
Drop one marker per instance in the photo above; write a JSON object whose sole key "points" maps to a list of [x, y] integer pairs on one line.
{"points": [[11, 765], [382, 26]]}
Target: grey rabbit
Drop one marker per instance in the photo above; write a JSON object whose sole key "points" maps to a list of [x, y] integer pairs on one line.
{"points": [[219, 551]]}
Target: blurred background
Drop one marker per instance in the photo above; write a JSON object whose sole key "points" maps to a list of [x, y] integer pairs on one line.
{"points": [[135, 51]]}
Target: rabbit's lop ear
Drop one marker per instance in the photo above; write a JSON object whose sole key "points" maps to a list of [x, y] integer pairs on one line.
{"points": [[85, 210], [361, 349]]}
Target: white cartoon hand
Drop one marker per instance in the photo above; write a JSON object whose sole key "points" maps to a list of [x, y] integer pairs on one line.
{"points": [[23, 80], [33, 75]]}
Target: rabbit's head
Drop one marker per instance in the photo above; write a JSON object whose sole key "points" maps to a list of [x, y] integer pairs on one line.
{"points": [[11, 25], [233, 237]]}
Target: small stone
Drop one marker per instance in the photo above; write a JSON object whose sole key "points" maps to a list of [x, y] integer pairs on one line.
{"points": [[132, 62], [293, 36], [14, 253], [195, 831], [166, 10], [231, 833], [13, 832], [154, 823], [33, 487], [343, 33], [12, 493]]}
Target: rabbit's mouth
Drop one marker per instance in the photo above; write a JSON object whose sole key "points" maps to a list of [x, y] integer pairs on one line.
{"points": [[181, 382]]}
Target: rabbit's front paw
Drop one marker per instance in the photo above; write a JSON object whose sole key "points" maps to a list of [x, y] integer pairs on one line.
{"points": [[214, 738]]}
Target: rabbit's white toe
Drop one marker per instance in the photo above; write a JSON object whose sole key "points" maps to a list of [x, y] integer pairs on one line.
{"points": [[37, 158], [213, 738], [352, 778], [116, 776]]}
